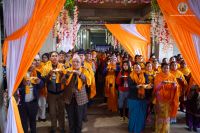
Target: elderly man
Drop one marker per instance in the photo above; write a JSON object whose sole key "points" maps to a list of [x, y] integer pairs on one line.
{"points": [[75, 96]]}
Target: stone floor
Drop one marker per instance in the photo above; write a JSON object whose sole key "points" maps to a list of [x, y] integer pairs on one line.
{"points": [[102, 121]]}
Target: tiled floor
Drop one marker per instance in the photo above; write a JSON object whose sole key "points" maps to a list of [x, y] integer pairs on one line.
{"points": [[102, 121]]}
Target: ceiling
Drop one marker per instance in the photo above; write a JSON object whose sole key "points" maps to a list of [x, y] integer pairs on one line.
{"points": [[112, 12]]}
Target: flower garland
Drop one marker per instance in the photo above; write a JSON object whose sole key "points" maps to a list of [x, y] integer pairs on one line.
{"points": [[61, 28], [65, 27], [164, 36], [75, 25], [159, 28]]}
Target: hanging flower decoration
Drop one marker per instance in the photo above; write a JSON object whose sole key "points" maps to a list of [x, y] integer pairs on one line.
{"points": [[75, 24], [61, 28], [159, 28], [66, 23]]}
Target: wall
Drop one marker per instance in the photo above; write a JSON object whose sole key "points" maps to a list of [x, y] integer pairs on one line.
{"points": [[169, 53], [49, 45]]}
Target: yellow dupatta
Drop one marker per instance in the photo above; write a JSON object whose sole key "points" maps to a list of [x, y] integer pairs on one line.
{"points": [[92, 84], [80, 82], [43, 91], [182, 84], [48, 67], [151, 75], [31, 77], [158, 70], [186, 71], [138, 79]]}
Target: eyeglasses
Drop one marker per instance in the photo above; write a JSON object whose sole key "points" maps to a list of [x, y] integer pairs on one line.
{"points": [[76, 61]]}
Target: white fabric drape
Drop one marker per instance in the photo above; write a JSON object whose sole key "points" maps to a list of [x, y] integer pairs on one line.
{"points": [[16, 15], [196, 40], [195, 6], [131, 28]]}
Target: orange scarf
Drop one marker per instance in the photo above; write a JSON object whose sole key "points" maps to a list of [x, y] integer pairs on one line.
{"points": [[139, 80], [166, 90], [167, 93], [182, 84], [80, 82], [48, 67]]}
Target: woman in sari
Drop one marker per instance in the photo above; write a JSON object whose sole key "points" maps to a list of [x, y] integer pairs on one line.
{"points": [[136, 100], [166, 94]]}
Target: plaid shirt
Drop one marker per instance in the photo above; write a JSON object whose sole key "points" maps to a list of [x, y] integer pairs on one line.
{"points": [[72, 91]]}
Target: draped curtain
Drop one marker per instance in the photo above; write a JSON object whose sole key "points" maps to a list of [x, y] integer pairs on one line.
{"points": [[27, 24], [134, 41], [185, 31], [195, 7]]}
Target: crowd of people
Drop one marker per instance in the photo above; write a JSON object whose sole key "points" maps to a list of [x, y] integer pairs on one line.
{"points": [[139, 89]]}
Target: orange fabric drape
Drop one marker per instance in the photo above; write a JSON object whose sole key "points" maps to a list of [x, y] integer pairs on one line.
{"points": [[182, 28], [144, 30], [37, 29], [170, 10], [128, 41]]}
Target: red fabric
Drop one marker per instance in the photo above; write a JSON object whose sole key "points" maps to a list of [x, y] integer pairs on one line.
{"points": [[119, 82]]}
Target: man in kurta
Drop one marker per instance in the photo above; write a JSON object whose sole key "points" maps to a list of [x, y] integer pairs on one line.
{"points": [[53, 73]]}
